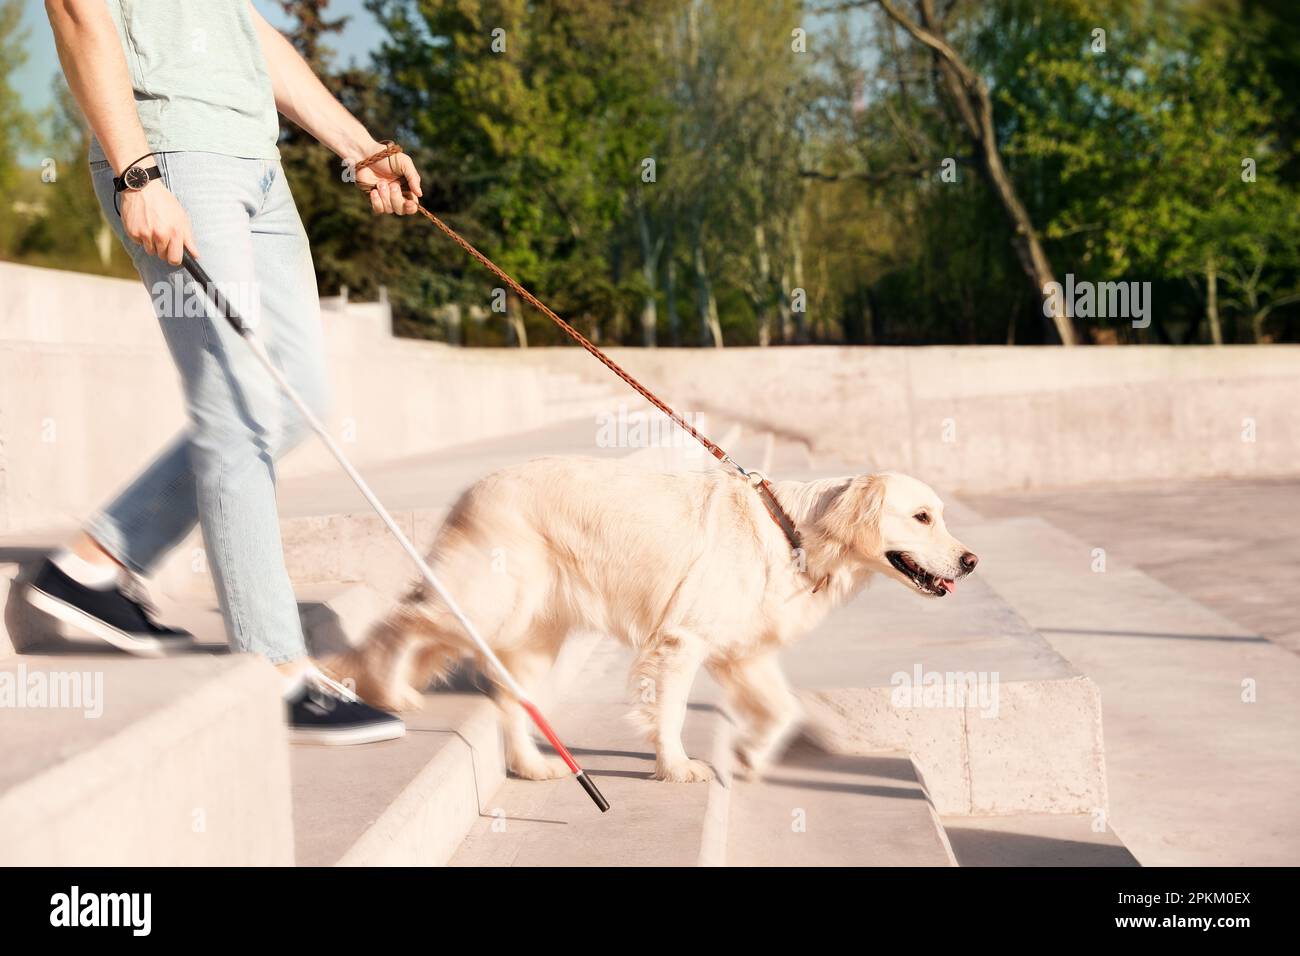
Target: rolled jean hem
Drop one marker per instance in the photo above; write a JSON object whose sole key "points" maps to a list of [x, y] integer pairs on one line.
{"points": [[105, 533]]}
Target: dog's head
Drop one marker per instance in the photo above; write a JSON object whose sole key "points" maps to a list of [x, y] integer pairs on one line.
{"points": [[895, 524]]}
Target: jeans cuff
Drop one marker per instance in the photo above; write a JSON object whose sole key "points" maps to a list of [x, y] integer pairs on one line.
{"points": [[109, 537]]}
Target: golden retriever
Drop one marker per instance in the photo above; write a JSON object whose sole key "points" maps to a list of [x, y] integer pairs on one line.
{"points": [[687, 568]]}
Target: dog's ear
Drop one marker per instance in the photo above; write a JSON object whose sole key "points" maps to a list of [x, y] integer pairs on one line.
{"points": [[854, 519]]}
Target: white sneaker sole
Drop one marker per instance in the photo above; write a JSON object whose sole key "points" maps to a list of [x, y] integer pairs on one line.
{"points": [[87, 625], [370, 734]]}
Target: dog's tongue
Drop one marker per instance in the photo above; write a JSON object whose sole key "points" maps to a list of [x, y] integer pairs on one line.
{"points": [[948, 584]]}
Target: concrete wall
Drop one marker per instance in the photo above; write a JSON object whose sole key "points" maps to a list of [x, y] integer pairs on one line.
{"points": [[996, 418], [88, 394]]}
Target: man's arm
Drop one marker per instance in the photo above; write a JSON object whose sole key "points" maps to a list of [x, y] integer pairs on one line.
{"points": [[95, 66], [303, 98]]}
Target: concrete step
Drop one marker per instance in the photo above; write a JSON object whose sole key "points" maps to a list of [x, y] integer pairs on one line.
{"points": [[1200, 712], [997, 721], [405, 802], [821, 809], [132, 762], [650, 823], [813, 808], [1036, 839], [410, 802]]}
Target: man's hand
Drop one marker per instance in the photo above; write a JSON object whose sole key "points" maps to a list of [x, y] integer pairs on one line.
{"points": [[155, 219], [388, 177]]}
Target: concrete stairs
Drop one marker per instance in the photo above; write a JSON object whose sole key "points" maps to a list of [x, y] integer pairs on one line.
{"points": [[114, 761], [813, 809], [859, 791], [1200, 712], [651, 823], [407, 801]]}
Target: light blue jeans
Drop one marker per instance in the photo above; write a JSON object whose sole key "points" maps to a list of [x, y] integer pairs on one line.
{"points": [[220, 472]]}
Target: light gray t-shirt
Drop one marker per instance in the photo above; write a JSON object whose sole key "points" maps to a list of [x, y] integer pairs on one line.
{"points": [[200, 78]]}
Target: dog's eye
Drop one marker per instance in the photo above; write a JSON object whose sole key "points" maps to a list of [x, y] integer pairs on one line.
{"points": [[922, 517]]}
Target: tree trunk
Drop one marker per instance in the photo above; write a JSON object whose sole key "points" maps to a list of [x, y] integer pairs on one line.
{"points": [[706, 304], [515, 319], [451, 316], [670, 297], [784, 316], [969, 97], [800, 315], [650, 251], [104, 243], [763, 300], [1212, 299]]}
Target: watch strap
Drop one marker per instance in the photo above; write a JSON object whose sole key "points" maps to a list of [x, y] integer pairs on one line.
{"points": [[152, 173]]}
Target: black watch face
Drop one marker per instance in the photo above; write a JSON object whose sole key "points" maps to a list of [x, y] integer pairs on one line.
{"points": [[136, 177]]}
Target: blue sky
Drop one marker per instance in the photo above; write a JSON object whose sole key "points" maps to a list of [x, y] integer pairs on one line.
{"points": [[34, 80]]}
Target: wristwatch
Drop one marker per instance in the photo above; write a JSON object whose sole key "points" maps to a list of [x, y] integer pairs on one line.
{"points": [[135, 177]]}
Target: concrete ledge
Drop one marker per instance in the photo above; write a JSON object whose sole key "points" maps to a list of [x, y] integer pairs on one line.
{"points": [[186, 765], [984, 418], [997, 720], [1201, 713], [1042, 753]]}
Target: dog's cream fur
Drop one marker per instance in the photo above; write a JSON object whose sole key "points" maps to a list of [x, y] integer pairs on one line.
{"points": [[687, 568]]}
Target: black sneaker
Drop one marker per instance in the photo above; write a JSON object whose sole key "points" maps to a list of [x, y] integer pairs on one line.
{"points": [[323, 711], [120, 616]]}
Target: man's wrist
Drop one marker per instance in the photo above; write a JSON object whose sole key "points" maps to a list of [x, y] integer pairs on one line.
{"points": [[137, 175], [354, 149], [144, 161]]}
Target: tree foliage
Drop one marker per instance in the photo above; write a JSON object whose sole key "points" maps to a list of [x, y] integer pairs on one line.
{"points": [[692, 172]]}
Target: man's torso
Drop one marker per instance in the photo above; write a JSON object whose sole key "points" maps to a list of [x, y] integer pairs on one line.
{"points": [[200, 79]]}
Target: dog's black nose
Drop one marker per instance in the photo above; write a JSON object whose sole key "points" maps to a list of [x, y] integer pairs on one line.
{"points": [[969, 560]]}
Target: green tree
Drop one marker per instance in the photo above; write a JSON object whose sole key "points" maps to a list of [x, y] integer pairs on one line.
{"points": [[530, 123], [17, 127], [1164, 147]]}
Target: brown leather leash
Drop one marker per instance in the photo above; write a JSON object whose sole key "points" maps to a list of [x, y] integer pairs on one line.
{"points": [[756, 480]]}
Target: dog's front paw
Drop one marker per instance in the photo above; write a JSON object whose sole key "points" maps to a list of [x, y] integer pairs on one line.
{"points": [[684, 771], [539, 768]]}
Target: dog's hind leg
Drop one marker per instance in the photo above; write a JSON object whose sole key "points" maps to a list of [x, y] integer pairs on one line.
{"points": [[661, 678], [377, 669], [756, 690], [402, 654]]}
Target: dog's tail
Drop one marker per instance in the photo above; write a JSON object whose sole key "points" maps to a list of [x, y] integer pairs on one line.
{"points": [[401, 657]]}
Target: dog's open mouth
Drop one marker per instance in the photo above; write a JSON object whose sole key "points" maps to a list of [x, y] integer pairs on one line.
{"points": [[924, 581]]}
